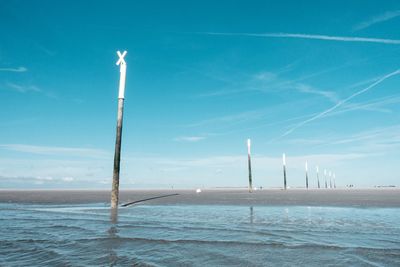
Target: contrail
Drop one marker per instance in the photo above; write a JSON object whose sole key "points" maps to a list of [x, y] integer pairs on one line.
{"points": [[341, 102], [381, 18], [310, 36]]}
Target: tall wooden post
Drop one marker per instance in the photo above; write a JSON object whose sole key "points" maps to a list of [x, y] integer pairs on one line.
{"points": [[284, 170], [117, 155], [318, 176], [306, 174], [249, 163]]}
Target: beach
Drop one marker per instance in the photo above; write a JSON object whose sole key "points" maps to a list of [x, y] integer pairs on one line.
{"points": [[376, 197]]}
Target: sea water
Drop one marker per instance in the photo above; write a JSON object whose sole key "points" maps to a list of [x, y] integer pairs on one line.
{"points": [[198, 235]]}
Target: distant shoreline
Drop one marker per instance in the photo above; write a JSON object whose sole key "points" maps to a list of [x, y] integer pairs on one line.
{"points": [[367, 197]]}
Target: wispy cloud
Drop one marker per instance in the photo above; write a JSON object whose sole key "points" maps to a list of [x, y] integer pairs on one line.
{"points": [[49, 169], [231, 119], [267, 81], [30, 181], [51, 150], [379, 105], [189, 138], [310, 36], [23, 89], [377, 19], [374, 140], [233, 161], [44, 49], [383, 137], [376, 105], [19, 69], [340, 103], [265, 76], [157, 170], [304, 88], [260, 81]]}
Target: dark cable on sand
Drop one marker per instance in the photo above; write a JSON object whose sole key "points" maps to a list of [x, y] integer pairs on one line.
{"points": [[146, 199]]}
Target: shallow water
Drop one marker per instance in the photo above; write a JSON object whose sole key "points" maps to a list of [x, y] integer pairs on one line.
{"points": [[198, 235]]}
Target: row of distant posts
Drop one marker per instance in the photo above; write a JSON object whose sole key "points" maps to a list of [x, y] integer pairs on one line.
{"points": [[331, 185], [117, 155]]}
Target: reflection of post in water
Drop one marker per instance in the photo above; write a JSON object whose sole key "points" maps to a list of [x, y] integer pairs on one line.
{"points": [[309, 215], [113, 237], [251, 215], [286, 215], [114, 215], [113, 243]]}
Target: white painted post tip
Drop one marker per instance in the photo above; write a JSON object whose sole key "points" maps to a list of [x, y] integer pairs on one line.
{"points": [[306, 166], [316, 167], [248, 146], [284, 159], [122, 69], [121, 57]]}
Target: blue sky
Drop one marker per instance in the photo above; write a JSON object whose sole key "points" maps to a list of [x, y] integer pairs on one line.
{"points": [[317, 81]]}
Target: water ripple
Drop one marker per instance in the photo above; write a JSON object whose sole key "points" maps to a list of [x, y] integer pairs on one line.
{"points": [[35, 235]]}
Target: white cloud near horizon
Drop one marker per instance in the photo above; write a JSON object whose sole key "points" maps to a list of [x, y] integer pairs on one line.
{"points": [[164, 171], [377, 19], [52, 170], [68, 179], [53, 150], [234, 162], [310, 36], [19, 69]]}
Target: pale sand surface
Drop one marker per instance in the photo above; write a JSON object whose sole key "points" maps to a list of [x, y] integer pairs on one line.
{"points": [[389, 197]]}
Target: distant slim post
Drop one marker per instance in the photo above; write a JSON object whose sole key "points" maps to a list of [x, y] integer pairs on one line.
{"points": [[284, 170], [249, 162], [306, 174], [117, 155], [334, 181], [318, 176], [326, 184], [330, 179]]}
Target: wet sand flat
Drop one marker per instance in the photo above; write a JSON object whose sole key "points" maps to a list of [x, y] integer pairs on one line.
{"points": [[389, 197]]}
